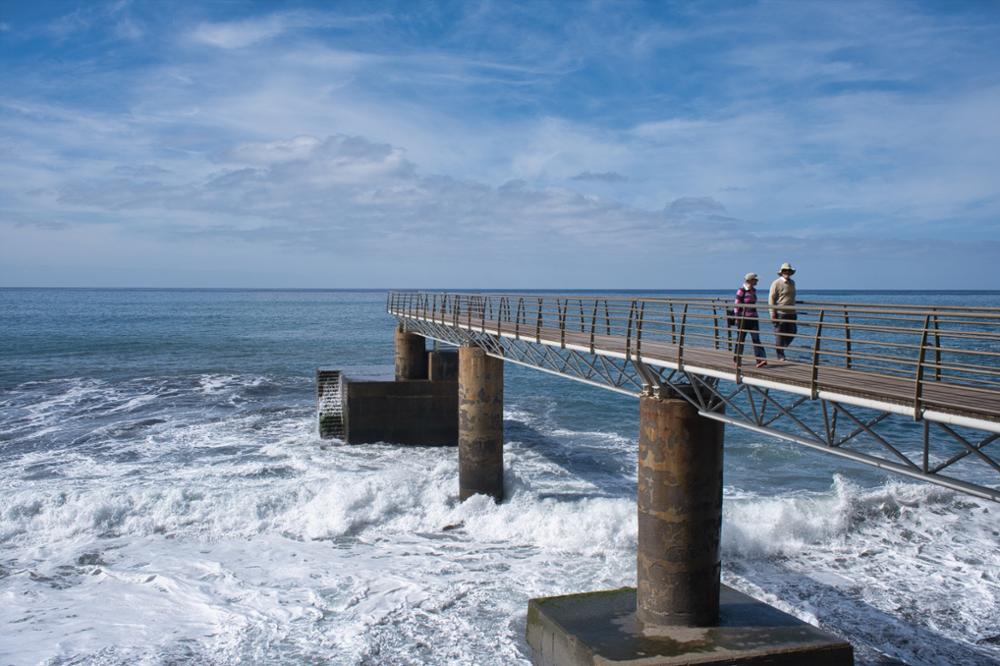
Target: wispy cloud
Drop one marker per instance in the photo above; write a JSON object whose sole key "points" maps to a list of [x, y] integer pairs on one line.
{"points": [[602, 177], [250, 31], [800, 129]]}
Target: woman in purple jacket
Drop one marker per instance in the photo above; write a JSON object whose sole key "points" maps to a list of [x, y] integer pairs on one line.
{"points": [[745, 313]]}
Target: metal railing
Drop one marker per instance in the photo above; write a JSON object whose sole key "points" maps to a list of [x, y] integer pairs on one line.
{"points": [[880, 345]]}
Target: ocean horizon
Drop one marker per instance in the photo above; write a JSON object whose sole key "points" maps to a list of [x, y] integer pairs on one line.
{"points": [[957, 292]]}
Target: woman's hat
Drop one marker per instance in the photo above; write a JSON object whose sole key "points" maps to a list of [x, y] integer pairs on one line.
{"points": [[749, 276], [786, 267]]}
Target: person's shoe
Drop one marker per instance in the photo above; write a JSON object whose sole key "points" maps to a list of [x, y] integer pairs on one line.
{"points": [[781, 357], [761, 364]]}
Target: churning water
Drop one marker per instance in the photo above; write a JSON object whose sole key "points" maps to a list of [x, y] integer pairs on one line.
{"points": [[165, 499]]}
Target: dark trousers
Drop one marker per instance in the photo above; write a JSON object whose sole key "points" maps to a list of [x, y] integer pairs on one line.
{"points": [[750, 326], [784, 330]]}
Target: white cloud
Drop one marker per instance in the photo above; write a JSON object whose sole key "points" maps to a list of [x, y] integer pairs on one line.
{"points": [[234, 35], [274, 151], [241, 34], [601, 177], [128, 28]]}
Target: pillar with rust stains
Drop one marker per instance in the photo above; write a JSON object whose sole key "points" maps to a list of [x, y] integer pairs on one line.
{"points": [[680, 514], [411, 356], [480, 424]]}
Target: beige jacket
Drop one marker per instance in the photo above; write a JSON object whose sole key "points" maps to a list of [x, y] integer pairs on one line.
{"points": [[782, 293]]}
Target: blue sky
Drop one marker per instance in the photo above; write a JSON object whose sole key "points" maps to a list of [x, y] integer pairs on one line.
{"points": [[499, 144]]}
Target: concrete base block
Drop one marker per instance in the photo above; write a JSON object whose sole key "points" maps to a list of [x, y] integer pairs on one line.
{"points": [[365, 411], [601, 628], [419, 412]]}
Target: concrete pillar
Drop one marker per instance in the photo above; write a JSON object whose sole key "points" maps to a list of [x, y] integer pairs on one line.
{"points": [[480, 424], [680, 514], [442, 365], [411, 356]]}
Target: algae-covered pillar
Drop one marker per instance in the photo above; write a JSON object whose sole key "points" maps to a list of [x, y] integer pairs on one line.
{"points": [[411, 355], [480, 424], [680, 514]]}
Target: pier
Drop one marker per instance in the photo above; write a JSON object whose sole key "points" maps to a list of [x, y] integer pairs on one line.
{"points": [[863, 382]]}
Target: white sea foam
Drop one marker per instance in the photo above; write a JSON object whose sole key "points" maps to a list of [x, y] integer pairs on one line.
{"points": [[909, 567], [232, 567], [248, 539]]}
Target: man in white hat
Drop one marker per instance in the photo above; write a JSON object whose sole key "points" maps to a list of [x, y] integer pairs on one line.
{"points": [[782, 299]]}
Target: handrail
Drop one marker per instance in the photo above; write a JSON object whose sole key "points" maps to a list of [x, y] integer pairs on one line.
{"points": [[934, 345], [972, 310]]}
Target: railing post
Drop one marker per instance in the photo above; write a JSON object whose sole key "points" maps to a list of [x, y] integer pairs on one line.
{"points": [[740, 323], [732, 337], [937, 350], [815, 356], [715, 325], [680, 340], [538, 323], [673, 326], [593, 326], [561, 309], [607, 317], [638, 331], [918, 389], [628, 332], [847, 339], [503, 301], [517, 317]]}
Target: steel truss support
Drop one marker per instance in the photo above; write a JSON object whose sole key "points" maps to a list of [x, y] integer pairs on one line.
{"points": [[819, 423]]}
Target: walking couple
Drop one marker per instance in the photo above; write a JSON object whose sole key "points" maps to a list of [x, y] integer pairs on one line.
{"points": [[780, 300]]}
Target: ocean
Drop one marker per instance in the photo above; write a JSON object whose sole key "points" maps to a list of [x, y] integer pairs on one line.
{"points": [[165, 499]]}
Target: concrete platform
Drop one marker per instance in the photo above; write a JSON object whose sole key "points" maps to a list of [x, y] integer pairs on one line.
{"points": [[601, 628], [416, 412]]}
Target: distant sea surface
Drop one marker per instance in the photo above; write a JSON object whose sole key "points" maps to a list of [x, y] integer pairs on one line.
{"points": [[165, 499]]}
